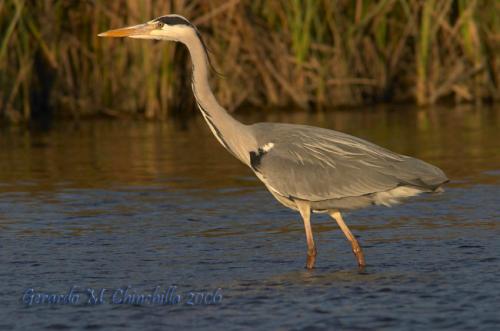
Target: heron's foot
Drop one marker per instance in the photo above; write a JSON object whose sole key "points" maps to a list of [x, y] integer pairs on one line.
{"points": [[360, 257], [311, 258]]}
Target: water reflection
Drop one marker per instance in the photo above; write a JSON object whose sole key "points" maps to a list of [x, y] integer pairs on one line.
{"points": [[462, 141]]}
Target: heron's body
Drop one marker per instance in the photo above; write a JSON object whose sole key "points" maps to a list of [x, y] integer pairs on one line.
{"points": [[306, 168], [333, 170]]}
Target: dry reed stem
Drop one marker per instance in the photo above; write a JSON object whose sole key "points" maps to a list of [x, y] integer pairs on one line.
{"points": [[316, 53]]}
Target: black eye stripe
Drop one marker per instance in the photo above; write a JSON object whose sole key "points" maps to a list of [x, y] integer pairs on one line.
{"points": [[173, 20]]}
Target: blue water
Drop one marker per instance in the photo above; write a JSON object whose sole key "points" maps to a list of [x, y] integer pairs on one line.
{"points": [[111, 205]]}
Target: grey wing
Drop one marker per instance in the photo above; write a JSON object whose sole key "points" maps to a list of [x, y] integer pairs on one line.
{"points": [[317, 164]]}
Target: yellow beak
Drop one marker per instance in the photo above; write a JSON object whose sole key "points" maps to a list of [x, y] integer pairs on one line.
{"points": [[131, 31]]}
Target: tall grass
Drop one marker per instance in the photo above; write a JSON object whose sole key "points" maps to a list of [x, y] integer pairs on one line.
{"points": [[308, 54]]}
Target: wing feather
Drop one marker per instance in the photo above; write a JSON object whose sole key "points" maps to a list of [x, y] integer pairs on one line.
{"points": [[318, 164]]}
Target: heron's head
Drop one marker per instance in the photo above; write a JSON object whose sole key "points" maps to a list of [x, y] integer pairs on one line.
{"points": [[168, 27]]}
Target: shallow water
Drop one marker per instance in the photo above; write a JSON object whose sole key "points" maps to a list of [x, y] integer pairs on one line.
{"points": [[111, 204]]}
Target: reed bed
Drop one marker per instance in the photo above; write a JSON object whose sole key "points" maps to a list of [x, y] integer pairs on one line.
{"points": [[309, 54]]}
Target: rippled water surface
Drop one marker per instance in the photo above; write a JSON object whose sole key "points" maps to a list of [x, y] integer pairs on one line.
{"points": [[114, 204]]}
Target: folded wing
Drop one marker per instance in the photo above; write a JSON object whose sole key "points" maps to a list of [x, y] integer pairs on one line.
{"points": [[318, 164]]}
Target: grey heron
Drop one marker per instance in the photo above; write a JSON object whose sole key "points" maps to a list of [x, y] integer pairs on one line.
{"points": [[307, 169]]}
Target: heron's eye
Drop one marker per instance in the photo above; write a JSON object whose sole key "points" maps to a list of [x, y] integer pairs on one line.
{"points": [[159, 25]]}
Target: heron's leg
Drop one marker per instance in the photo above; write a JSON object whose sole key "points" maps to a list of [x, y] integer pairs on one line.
{"points": [[354, 242], [305, 212]]}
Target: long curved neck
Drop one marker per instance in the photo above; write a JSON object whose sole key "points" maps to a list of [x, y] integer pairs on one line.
{"points": [[233, 135]]}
